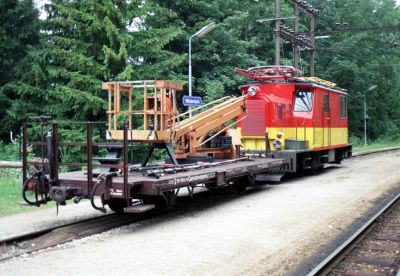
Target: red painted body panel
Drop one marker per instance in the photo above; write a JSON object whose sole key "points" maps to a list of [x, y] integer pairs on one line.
{"points": [[256, 111], [278, 101]]}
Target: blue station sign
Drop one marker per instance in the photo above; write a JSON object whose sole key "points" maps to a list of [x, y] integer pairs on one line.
{"points": [[192, 101]]}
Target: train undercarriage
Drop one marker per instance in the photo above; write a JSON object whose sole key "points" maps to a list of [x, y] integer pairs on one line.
{"points": [[124, 187]]}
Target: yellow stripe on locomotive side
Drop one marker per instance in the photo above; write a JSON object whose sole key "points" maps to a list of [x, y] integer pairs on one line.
{"points": [[315, 137]]}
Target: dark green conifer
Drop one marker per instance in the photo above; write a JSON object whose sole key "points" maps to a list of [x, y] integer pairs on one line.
{"points": [[19, 28], [82, 44]]}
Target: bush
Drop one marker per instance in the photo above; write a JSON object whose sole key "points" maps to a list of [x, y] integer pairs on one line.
{"points": [[355, 141], [9, 152], [392, 133]]}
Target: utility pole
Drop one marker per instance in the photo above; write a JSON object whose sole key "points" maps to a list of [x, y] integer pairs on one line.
{"points": [[312, 42], [200, 33], [365, 112], [298, 40], [277, 32], [296, 31]]}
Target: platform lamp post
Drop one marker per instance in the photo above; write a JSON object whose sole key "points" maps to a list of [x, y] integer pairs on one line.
{"points": [[200, 33], [365, 112]]}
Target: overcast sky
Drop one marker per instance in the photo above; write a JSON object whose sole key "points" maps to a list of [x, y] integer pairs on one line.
{"points": [[40, 3]]}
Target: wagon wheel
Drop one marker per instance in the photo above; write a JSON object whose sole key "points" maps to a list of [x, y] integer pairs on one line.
{"points": [[164, 201], [117, 205], [211, 185], [241, 183], [169, 198]]}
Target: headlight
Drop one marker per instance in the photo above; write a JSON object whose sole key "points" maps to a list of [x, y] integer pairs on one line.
{"points": [[252, 91], [277, 144]]}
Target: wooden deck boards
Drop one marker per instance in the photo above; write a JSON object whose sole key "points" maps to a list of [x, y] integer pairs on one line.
{"points": [[187, 177]]}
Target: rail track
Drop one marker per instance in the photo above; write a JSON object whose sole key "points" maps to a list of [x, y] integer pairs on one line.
{"points": [[373, 249], [55, 236], [50, 237], [43, 239]]}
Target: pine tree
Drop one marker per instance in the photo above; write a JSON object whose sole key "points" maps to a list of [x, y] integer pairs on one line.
{"points": [[85, 45], [153, 44], [19, 28], [82, 44]]}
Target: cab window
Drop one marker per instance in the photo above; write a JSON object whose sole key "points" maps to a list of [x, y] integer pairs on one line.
{"points": [[303, 101], [326, 103], [343, 107]]}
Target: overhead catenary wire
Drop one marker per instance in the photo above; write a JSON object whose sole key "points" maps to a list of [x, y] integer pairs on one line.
{"points": [[361, 29]]}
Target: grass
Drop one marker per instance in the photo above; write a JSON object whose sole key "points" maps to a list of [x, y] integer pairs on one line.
{"points": [[10, 194], [359, 147]]}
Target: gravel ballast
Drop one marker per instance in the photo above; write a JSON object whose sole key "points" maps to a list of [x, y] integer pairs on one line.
{"points": [[270, 230]]}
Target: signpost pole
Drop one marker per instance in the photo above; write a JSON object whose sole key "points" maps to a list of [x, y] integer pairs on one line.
{"points": [[190, 73], [200, 33]]}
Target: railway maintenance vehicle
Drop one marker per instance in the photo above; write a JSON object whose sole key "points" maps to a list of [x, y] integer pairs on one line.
{"points": [[285, 123]]}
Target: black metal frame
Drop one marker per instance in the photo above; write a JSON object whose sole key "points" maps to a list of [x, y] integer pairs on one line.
{"points": [[54, 165], [113, 187]]}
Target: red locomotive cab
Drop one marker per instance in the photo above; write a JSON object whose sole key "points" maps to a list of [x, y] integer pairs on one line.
{"points": [[268, 114], [301, 118], [269, 104]]}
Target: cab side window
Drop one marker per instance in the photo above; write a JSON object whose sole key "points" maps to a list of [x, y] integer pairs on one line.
{"points": [[326, 103], [343, 107], [303, 101]]}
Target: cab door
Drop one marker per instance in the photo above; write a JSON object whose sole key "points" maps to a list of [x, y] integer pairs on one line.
{"points": [[326, 120]]}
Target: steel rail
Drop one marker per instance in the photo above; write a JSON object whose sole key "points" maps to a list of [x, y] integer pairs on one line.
{"points": [[333, 258], [88, 227], [84, 228], [30, 235], [39, 233]]}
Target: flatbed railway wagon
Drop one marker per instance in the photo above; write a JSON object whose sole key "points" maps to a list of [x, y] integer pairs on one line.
{"points": [[205, 139]]}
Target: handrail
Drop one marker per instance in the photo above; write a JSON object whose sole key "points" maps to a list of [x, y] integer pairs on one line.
{"points": [[80, 144], [205, 105], [270, 72], [66, 122]]}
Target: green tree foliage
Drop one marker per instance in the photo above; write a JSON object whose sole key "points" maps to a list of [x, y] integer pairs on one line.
{"points": [[354, 60], [19, 28], [357, 60], [152, 47], [83, 43], [215, 56]]}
